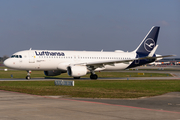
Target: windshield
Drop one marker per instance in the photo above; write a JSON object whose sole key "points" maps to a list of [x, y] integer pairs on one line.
{"points": [[16, 56]]}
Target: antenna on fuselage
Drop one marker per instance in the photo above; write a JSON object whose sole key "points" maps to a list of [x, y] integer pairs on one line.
{"points": [[30, 48]]}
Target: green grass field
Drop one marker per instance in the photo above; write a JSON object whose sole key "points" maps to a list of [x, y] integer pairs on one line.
{"points": [[40, 74], [91, 88], [95, 89]]}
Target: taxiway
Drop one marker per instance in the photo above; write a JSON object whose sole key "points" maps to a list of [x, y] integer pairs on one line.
{"points": [[19, 106]]}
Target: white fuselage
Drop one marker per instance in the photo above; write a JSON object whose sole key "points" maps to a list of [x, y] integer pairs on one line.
{"points": [[60, 60]]}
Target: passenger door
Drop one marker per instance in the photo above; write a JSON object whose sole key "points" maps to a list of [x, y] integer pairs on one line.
{"points": [[31, 57]]}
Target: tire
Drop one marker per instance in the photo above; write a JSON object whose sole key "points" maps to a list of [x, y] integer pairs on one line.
{"points": [[28, 77], [93, 76]]}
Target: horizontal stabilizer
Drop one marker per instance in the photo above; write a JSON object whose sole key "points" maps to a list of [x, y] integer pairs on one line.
{"points": [[161, 56]]}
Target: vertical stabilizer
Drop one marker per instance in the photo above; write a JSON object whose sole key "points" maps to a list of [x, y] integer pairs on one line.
{"points": [[149, 42]]}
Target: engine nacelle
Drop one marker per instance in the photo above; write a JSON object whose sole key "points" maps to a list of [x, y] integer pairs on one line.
{"points": [[77, 71], [52, 72]]}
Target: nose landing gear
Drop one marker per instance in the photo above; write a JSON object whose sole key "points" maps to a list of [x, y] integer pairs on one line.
{"points": [[28, 77]]}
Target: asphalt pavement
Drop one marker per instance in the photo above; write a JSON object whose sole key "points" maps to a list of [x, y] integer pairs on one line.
{"points": [[19, 106]]}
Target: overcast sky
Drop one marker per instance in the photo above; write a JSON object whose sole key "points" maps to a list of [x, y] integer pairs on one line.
{"points": [[87, 25]]}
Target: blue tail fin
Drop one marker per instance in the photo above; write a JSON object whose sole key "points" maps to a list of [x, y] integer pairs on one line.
{"points": [[149, 42]]}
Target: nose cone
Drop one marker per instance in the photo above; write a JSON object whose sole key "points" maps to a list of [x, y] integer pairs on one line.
{"points": [[7, 63]]}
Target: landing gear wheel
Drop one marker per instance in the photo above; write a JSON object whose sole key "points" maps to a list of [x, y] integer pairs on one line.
{"points": [[28, 77], [76, 77], [93, 76]]}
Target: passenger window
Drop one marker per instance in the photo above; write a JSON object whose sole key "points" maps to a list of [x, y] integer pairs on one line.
{"points": [[20, 56]]}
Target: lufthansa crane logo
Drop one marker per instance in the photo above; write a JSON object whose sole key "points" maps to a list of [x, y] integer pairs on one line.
{"points": [[149, 44]]}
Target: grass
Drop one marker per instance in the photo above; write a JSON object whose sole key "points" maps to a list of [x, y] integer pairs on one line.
{"points": [[91, 88], [95, 89], [40, 74], [20, 74]]}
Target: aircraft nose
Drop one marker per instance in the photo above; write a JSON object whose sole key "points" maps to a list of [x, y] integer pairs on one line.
{"points": [[7, 63]]}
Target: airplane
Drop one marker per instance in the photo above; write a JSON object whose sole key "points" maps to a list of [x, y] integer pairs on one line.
{"points": [[80, 63], [159, 63]]}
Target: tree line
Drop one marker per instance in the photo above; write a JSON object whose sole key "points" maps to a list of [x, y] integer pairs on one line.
{"points": [[2, 59]]}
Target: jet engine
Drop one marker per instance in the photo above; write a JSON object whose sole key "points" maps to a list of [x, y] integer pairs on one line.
{"points": [[77, 71], [52, 72]]}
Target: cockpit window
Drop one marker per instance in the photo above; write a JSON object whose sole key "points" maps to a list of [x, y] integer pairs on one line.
{"points": [[12, 56], [16, 56]]}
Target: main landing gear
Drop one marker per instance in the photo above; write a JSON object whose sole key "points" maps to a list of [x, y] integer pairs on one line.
{"points": [[93, 76], [28, 77]]}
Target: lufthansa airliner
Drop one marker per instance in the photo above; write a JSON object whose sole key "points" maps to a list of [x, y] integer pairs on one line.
{"points": [[80, 63]]}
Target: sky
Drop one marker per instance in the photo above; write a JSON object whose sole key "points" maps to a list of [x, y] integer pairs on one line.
{"points": [[90, 25]]}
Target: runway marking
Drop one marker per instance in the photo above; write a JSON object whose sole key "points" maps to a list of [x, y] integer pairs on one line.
{"points": [[50, 97], [174, 75]]}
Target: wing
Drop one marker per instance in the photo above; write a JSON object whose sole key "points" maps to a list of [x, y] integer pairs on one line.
{"points": [[112, 62]]}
